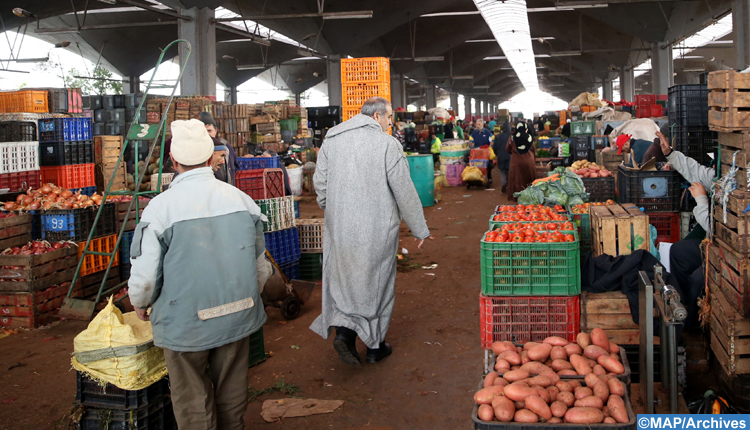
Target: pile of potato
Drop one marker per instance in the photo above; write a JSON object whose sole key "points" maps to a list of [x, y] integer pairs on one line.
{"points": [[587, 169], [531, 390]]}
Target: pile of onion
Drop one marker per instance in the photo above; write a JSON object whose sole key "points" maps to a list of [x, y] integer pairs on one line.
{"points": [[50, 196]]}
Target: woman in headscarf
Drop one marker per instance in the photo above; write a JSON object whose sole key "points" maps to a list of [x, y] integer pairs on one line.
{"points": [[503, 156], [522, 170]]}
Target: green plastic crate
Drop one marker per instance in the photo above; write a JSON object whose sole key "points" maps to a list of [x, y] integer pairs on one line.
{"points": [[311, 266], [257, 348], [279, 213], [289, 125], [583, 128], [531, 269]]}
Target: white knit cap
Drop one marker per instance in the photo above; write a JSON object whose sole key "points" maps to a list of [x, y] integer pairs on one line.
{"points": [[191, 144]]}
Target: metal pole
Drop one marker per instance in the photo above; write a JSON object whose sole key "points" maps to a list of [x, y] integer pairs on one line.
{"points": [[673, 395], [646, 350]]}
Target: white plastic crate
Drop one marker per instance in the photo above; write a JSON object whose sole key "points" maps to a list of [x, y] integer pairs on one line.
{"points": [[311, 233], [279, 211], [166, 179], [19, 157]]}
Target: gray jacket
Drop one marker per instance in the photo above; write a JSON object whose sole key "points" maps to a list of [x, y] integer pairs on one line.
{"points": [[194, 262], [692, 171]]}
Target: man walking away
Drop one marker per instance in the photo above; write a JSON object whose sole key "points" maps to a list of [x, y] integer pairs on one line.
{"points": [[363, 184], [194, 259]]}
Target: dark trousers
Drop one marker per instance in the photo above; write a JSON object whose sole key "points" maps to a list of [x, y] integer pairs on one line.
{"points": [[688, 276], [209, 388]]}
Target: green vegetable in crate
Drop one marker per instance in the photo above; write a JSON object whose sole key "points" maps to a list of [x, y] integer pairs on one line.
{"points": [[543, 153], [568, 189]]}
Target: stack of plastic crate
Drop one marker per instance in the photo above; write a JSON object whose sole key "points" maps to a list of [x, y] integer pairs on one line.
{"points": [[362, 78], [283, 245], [311, 232], [63, 144], [688, 122], [19, 155]]}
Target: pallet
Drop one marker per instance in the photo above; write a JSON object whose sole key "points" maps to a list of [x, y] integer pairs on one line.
{"points": [[729, 101], [730, 271], [730, 334], [611, 229], [38, 271], [739, 243], [15, 231], [610, 312]]}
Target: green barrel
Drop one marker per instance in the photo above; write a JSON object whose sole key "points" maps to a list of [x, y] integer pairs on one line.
{"points": [[422, 171]]}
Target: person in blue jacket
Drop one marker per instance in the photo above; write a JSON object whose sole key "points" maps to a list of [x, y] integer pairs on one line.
{"points": [[480, 136]]}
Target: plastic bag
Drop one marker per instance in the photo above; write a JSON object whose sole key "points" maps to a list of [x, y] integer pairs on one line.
{"points": [[472, 173], [119, 349], [295, 181]]}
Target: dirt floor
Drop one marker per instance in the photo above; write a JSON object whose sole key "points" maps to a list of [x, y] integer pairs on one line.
{"points": [[427, 383]]}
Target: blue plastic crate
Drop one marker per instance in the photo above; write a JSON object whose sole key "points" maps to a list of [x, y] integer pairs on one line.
{"points": [[284, 245], [75, 224], [127, 239], [88, 191], [291, 270], [64, 129], [296, 209], [259, 163]]}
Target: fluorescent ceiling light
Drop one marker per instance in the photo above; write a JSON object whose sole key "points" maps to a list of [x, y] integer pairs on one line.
{"points": [[689, 57], [481, 87], [559, 73], [555, 85], [432, 15], [463, 77], [419, 59], [304, 53], [252, 66], [360, 14], [564, 8], [565, 54], [720, 42], [264, 42], [493, 40], [693, 70], [509, 23], [28, 60]]}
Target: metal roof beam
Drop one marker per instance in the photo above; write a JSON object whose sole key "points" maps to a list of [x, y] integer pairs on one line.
{"points": [[156, 9]]}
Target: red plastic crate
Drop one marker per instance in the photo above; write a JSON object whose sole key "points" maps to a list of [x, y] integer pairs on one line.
{"points": [[656, 111], [667, 226], [528, 319], [20, 181], [261, 183], [645, 99], [71, 177]]}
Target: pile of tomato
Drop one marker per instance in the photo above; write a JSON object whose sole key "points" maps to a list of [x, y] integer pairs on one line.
{"points": [[538, 226], [584, 208], [529, 213], [528, 235]]}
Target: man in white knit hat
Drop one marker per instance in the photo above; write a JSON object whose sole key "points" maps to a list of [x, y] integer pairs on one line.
{"points": [[194, 264]]}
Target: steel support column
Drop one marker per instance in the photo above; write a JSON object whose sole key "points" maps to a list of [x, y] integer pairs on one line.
{"points": [[132, 86], [199, 77], [627, 81], [467, 108], [662, 68], [396, 99], [741, 21], [333, 78], [607, 90], [431, 96], [454, 102]]}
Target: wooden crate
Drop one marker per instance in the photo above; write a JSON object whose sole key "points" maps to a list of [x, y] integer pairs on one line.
{"points": [[15, 231], [610, 312], [107, 149], [121, 209], [103, 174], [88, 286], [37, 271], [728, 101], [740, 161], [32, 310], [731, 273], [730, 334], [739, 243], [618, 229]]}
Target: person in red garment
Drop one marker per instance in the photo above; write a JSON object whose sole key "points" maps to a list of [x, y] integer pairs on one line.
{"points": [[522, 170]]}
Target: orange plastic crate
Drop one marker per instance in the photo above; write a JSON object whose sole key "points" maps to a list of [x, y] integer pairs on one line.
{"points": [[29, 101], [355, 95], [350, 113], [98, 263], [71, 177], [361, 70]]}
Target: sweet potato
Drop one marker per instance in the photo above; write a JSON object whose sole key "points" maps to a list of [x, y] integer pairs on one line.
{"points": [[525, 416], [605, 411], [613, 348], [575, 384], [601, 390], [558, 409], [554, 420], [519, 405], [511, 357], [593, 352], [515, 375], [580, 365], [500, 347], [611, 365], [540, 352], [538, 406], [518, 392], [558, 353], [573, 348], [609, 420], [553, 392], [561, 364], [599, 338], [541, 381], [567, 398], [502, 365], [485, 395], [582, 415], [542, 392], [617, 410], [528, 345], [556, 341], [486, 413], [591, 362], [489, 380], [504, 408], [536, 368], [501, 382], [567, 372], [582, 392], [589, 402], [583, 340], [616, 387], [599, 370], [615, 356], [591, 380], [525, 357], [553, 377], [564, 386]]}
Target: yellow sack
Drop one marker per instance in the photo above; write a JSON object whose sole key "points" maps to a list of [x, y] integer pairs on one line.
{"points": [[119, 349], [472, 173]]}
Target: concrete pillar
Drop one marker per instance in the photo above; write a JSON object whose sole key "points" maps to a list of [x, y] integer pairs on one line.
{"points": [[608, 90], [627, 84], [132, 86], [431, 96], [454, 101], [199, 77], [396, 99], [467, 108], [402, 90], [741, 21], [482, 108], [298, 99], [333, 77], [230, 95], [662, 68]]}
